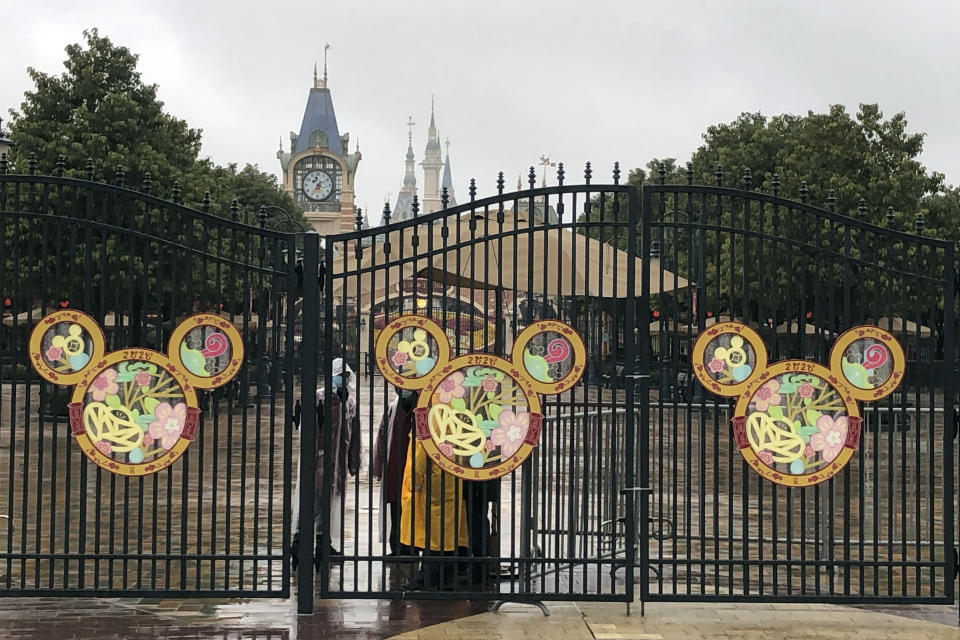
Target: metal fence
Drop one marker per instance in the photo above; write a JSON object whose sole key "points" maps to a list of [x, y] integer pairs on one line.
{"points": [[214, 523]]}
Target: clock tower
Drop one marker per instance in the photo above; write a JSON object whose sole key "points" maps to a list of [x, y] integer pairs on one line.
{"points": [[318, 170]]}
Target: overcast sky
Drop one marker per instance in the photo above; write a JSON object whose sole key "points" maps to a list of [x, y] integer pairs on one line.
{"points": [[598, 81]]}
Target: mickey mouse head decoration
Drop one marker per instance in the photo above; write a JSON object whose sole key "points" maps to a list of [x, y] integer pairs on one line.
{"points": [[134, 411], [797, 422], [479, 415]]}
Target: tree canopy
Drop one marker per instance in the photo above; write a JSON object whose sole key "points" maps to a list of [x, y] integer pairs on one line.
{"points": [[101, 109]]}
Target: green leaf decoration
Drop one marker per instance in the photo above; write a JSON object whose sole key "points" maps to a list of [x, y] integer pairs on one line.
{"points": [[808, 431], [458, 404], [775, 411], [494, 411], [472, 381], [491, 395], [149, 404], [796, 426], [788, 384], [113, 400], [812, 416], [487, 426], [145, 419], [123, 372]]}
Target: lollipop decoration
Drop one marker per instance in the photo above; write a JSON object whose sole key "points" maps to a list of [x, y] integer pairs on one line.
{"points": [[134, 411], [797, 422]]}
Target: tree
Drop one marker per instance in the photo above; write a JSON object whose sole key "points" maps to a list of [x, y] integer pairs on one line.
{"points": [[99, 108]]}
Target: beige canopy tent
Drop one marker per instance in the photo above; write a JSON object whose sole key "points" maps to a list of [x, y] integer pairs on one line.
{"points": [[669, 326], [901, 326], [563, 262]]}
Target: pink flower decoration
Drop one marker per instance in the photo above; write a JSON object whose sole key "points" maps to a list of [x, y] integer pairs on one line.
{"points": [[511, 432], [489, 446], [767, 395], [54, 354], [399, 358], [451, 387], [715, 365], [805, 390], [446, 449], [809, 451], [489, 384], [765, 456], [104, 385], [830, 436], [104, 447], [147, 439], [143, 379], [168, 424]]}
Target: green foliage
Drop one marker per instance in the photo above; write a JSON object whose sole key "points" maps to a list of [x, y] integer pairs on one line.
{"points": [[99, 108]]}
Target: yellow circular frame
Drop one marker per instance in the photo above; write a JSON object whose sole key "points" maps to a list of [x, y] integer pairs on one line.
{"points": [[50, 321], [127, 468], [219, 378], [826, 472], [425, 402], [711, 334], [864, 332], [576, 344], [411, 382]]}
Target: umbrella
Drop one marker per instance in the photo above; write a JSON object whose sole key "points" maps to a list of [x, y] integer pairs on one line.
{"points": [[563, 263], [900, 325]]}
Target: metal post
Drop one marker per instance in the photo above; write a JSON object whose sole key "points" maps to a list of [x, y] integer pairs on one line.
{"points": [[308, 428]]}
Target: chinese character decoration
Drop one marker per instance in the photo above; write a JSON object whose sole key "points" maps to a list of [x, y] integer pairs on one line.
{"points": [[796, 422], [134, 411], [478, 415]]}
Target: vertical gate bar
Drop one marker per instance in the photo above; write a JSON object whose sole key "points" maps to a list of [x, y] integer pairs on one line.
{"points": [[949, 422], [287, 432], [308, 396], [643, 544]]}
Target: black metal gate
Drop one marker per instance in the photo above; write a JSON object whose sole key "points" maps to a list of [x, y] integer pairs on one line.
{"points": [[882, 528], [561, 525], [215, 522]]}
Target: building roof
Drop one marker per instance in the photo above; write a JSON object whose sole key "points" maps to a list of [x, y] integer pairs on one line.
{"points": [[319, 116], [448, 181]]}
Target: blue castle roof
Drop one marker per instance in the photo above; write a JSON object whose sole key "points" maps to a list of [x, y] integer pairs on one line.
{"points": [[319, 116]]}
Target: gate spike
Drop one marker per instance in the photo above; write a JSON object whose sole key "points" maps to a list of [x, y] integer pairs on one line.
{"points": [[560, 174], [88, 168], [776, 184], [891, 217], [747, 179], [61, 165], [661, 173], [415, 207], [175, 193], [32, 163], [862, 209], [919, 223], [118, 175], [386, 213], [146, 185], [587, 172], [804, 192], [358, 218], [234, 204], [532, 178], [444, 198], [832, 200], [689, 173], [718, 174], [500, 183], [616, 172], [3, 164], [262, 216], [205, 203], [473, 189]]}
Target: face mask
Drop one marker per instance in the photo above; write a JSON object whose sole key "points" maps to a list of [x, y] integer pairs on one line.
{"points": [[337, 381]]}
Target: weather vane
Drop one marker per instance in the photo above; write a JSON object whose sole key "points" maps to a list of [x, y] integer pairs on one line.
{"points": [[326, 47], [545, 162]]}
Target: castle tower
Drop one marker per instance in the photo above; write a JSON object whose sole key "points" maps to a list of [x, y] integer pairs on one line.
{"points": [[432, 164], [447, 179], [404, 208], [319, 170]]}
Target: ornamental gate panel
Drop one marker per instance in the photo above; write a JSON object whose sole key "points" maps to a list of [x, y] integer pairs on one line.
{"points": [[216, 520], [498, 337], [797, 498]]}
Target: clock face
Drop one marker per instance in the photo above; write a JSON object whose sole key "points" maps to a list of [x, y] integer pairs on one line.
{"points": [[317, 185]]}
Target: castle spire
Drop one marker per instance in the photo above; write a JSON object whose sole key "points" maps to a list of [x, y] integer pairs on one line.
{"points": [[326, 47]]}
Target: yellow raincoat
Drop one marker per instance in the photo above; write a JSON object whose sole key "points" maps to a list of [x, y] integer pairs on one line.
{"points": [[448, 515]]}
